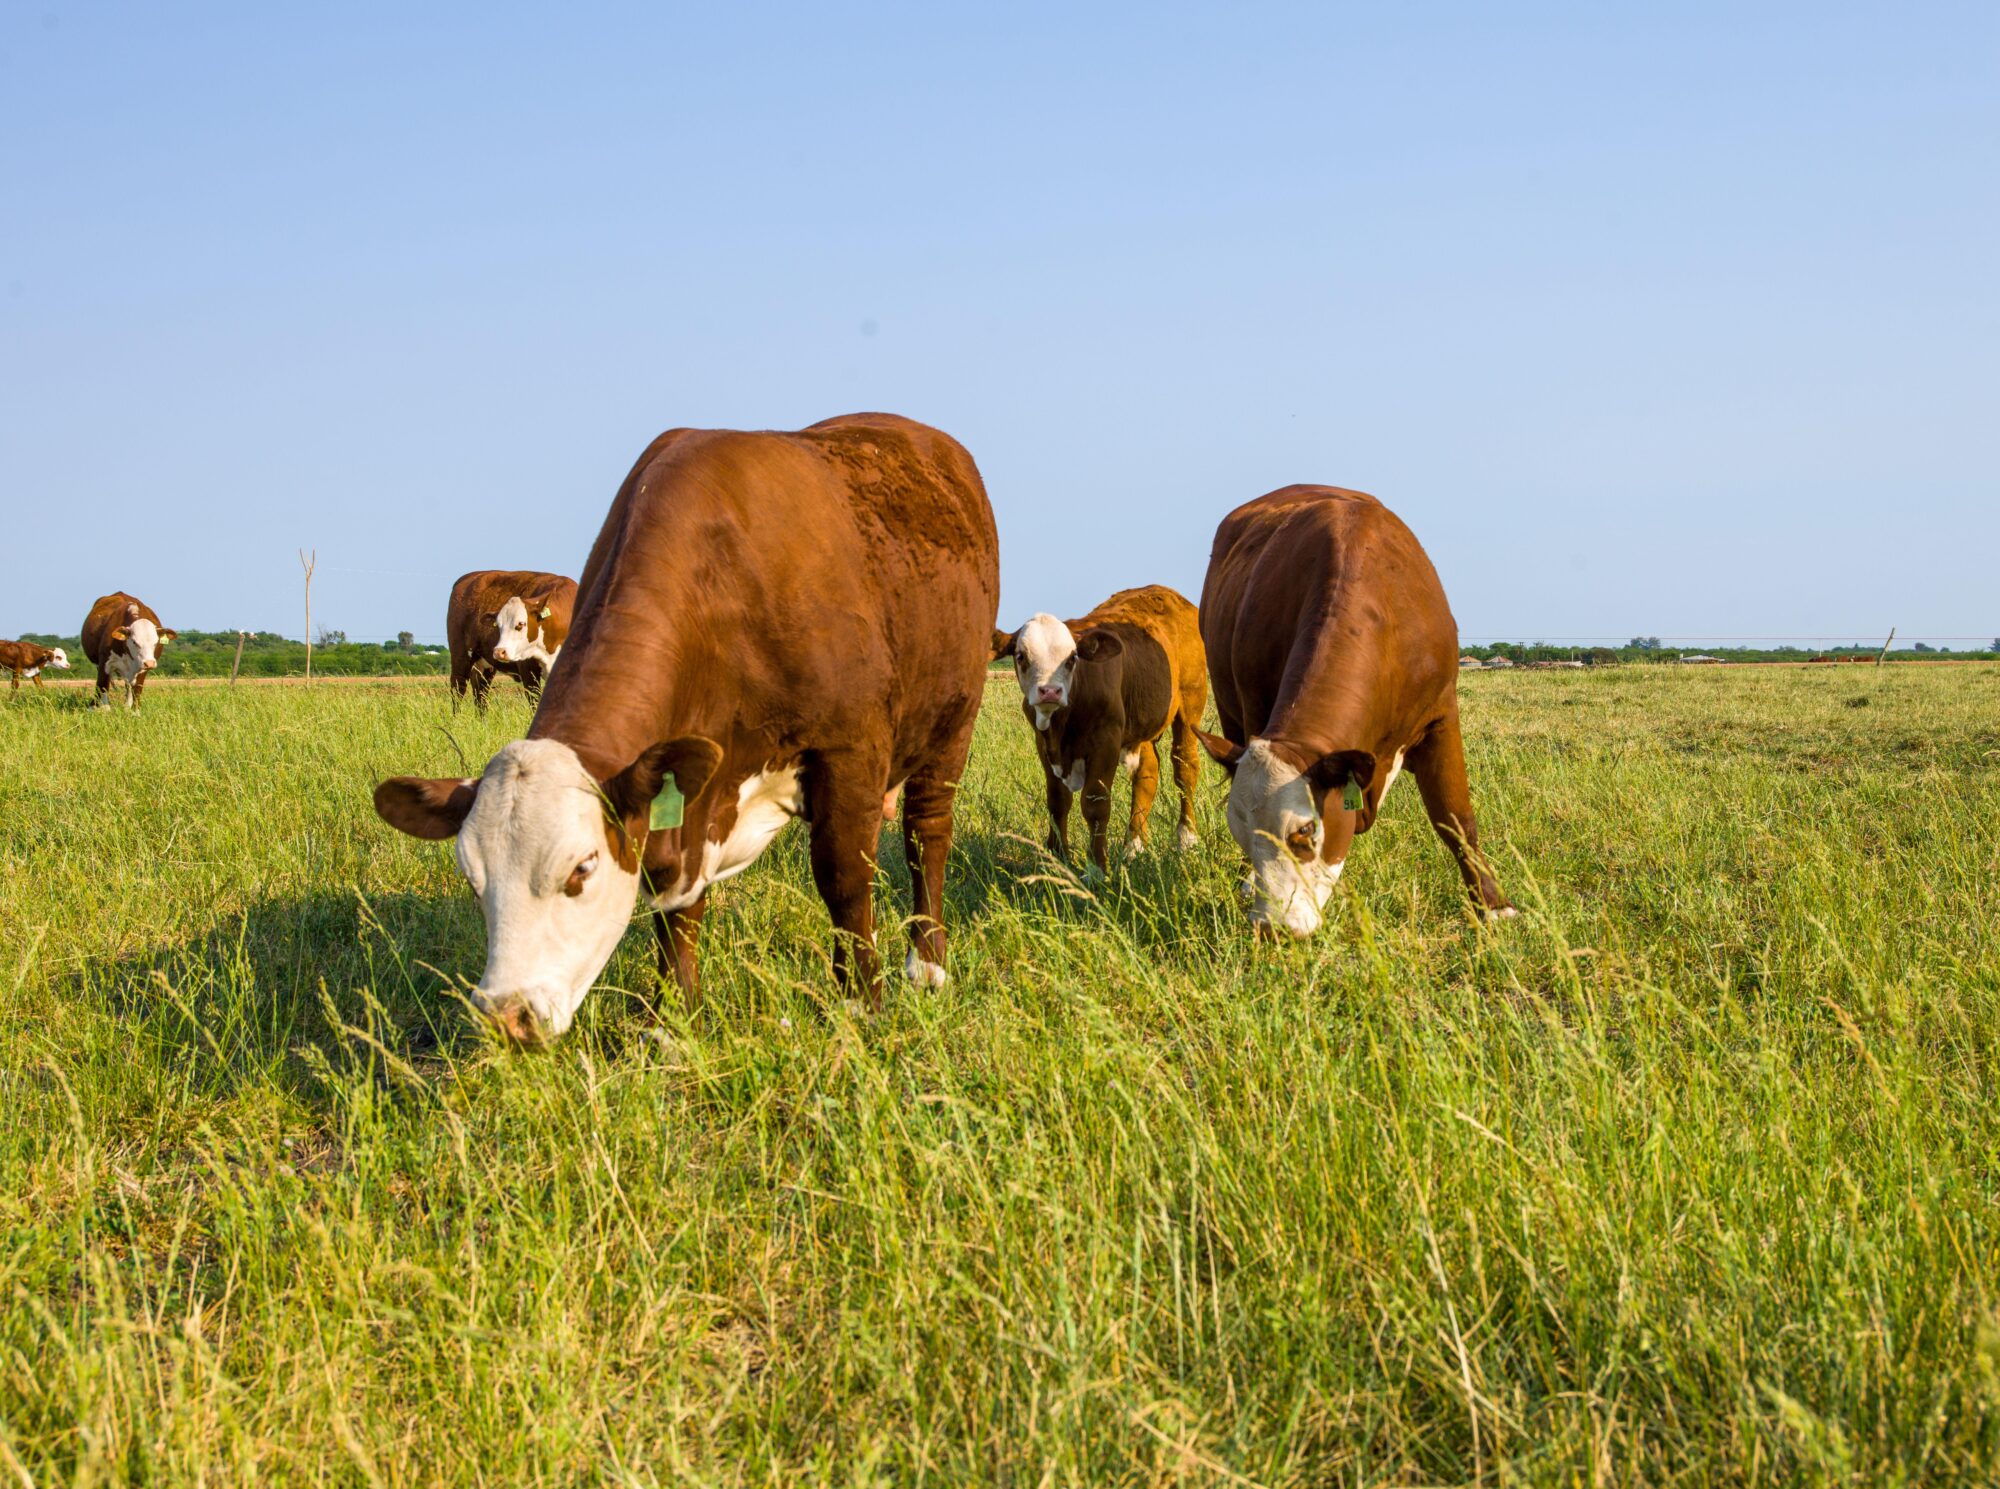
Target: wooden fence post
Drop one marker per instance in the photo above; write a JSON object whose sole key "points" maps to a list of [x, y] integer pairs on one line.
{"points": [[309, 564], [233, 666], [1885, 647]]}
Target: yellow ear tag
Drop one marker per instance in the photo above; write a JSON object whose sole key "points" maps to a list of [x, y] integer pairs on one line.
{"points": [[543, 613], [1350, 798], [669, 807]]}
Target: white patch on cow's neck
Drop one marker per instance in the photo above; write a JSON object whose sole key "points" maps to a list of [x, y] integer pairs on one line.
{"points": [[32, 672], [765, 802], [1074, 780], [1395, 769], [1269, 799]]}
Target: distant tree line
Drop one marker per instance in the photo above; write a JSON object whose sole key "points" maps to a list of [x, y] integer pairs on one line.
{"points": [[1652, 649], [267, 654]]}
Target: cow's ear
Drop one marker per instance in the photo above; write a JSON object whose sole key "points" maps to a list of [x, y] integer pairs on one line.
{"points": [[1332, 772], [131, 610], [1003, 643], [490, 618], [166, 636], [691, 761], [120, 634], [538, 606], [425, 808], [1220, 750], [1098, 646]]}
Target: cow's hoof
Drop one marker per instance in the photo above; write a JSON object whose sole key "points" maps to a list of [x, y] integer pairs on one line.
{"points": [[1134, 847], [923, 973], [1500, 912], [1093, 875], [1187, 840]]}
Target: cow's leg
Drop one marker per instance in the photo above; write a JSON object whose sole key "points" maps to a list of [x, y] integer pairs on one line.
{"points": [[531, 674], [103, 698], [927, 804], [1438, 762], [17, 683], [1145, 786], [1187, 777], [844, 799], [482, 684], [677, 933], [1098, 774], [134, 689], [1059, 798], [461, 675]]}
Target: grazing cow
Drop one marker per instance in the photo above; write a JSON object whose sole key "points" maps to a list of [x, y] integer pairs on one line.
{"points": [[1334, 659], [506, 620], [26, 659], [122, 637], [771, 625], [1099, 692]]}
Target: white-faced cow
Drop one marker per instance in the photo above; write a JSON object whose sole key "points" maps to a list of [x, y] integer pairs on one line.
{"points": [[770, 626], [122, 638], [1334, 659], [29, 660], [1099, 692], [511, 621]]}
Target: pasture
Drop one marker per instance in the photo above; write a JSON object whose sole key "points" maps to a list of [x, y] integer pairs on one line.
{"points": [[1692, 1174]]}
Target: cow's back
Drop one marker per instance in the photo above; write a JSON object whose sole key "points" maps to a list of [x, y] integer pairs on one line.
{"points": [[1320, 610], [106, 616]]}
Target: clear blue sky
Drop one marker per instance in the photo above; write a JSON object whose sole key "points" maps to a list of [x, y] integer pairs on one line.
{"points": [[1675, 318]]}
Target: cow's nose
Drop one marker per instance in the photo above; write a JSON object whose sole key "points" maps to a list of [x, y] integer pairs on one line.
{"points": [[518, 1022], [1048, 694], [148, 665]]}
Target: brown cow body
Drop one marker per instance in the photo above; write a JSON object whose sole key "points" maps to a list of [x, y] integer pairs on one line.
{"points": [[1334, 657], [480, 649], [771, 625], [1127, 672], [27, 659], [122, 637]]}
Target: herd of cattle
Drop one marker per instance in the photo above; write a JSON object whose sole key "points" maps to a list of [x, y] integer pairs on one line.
{"points": [[777, 625]]}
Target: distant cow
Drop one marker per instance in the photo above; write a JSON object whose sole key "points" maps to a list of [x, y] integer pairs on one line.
{"points": [[771, 625], [506, 620], [122, 637], [1334, 659], [26, 659], [1099, 692]]}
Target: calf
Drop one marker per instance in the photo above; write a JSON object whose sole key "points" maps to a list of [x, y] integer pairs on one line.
{"points": [[511, 621], [1099, 692], [1335, 661], [122, 637], [770, 626], [26, 659]]}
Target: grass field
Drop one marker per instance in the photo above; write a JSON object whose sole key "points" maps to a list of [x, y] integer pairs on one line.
{"points": [[1690, 1175]]}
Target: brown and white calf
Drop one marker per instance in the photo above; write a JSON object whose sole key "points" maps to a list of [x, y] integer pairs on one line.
{"points": [[1334, 659], [1099, 692], [770, 626], [26, 659], [122, 638], [511, 621]]}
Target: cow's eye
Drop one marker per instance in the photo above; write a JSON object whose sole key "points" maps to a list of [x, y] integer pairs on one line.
{"points": [[573, 885], [1300, 841]]}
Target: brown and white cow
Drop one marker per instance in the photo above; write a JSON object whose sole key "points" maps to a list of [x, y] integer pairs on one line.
{"points": [[1334, 659], [1099, 692], [511, 621], [771, 625], [122, 637], [26, 659]]}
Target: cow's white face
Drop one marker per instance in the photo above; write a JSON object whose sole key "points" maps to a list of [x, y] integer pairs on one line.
{"points": [[1275, 822], [535, 849], [60, 660], [137, 650], [522, 635], [1044, 665]]}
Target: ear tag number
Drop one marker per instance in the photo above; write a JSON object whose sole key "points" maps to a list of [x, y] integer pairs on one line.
{"points": [[1350, 797], [543, 613], [668, 807]]}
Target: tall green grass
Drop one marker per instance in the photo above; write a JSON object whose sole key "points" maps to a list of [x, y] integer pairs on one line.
{"points": [[1690, 1175]]}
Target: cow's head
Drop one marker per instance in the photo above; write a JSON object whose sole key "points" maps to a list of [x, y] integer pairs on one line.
{"points": [[1046, 656], [58, 659], [137, 642], [553, 857], [1279, 810], [522, 632]]}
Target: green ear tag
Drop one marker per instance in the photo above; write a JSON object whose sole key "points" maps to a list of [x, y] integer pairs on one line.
{"points": [[668, 807], [1350, 798], [543, 613]]}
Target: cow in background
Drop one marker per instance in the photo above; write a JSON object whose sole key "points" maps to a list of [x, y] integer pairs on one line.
{"points": [[122, 638], [1335, 659], [511, 621], [26, 659], [1099, 692]]}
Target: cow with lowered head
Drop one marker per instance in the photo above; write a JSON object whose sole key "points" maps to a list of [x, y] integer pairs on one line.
{"points": [[1099, 692], [511, 621], [1334, 659], [122, 638], [27, 659], [770, 626]]}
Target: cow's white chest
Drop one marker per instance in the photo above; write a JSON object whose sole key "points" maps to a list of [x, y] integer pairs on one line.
{"points": [[1073, 780], [764, 804], [32, 672]]}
